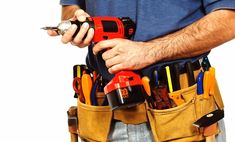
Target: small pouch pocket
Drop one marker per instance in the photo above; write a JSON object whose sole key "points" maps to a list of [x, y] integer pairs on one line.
{"points": [[94, 122], [204, 105], [175, 123]]}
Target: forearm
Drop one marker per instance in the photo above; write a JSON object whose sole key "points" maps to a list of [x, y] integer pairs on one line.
{"points": [[68, 11], [212, 30]]}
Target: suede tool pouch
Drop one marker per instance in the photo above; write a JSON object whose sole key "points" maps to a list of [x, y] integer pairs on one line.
{"points": [[94, 122], [176, 123]]}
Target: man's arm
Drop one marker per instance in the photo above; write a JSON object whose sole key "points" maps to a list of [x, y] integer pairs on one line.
{"points": [[68, 11], [214, 29]]}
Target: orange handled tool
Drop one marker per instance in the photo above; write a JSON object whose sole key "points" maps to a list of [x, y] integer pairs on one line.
{"points": [[86, 88], [145, 81], [206, 84], [212, 80], [211, 91], [177, 98]]}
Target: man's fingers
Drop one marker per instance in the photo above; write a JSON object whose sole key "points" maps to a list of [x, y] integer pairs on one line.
{"points": [[89, 37], [116, 68], [83, 30], [109, 54], [87, 40], [81, 15], [105, 44], [68, 36], [52, 33], [112, 61]]}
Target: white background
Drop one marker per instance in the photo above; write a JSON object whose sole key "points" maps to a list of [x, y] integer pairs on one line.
{"points": [[36, 74]]}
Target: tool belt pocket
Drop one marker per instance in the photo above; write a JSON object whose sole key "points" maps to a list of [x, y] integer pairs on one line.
{"points": [[204, 105], [94, 122], [175, 123]]}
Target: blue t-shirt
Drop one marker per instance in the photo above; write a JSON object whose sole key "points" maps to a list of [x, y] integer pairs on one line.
{"points": [[154, 18]]}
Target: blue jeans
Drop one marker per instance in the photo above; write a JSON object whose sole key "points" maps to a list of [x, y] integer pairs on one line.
{"points": [[121, 132]]}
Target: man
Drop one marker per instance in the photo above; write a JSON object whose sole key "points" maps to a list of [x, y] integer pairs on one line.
{"points": [[166, 31]]}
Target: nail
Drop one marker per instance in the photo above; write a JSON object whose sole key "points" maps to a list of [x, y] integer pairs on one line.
{"points": [[85, 25]]}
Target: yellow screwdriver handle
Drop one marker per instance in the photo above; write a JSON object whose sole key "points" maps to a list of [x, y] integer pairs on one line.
{"points": [[78, 71], [168, 74], [86, 88]]}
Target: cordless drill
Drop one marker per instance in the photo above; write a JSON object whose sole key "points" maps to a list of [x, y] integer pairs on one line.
{"points": [[104, 27], [125, 87]]}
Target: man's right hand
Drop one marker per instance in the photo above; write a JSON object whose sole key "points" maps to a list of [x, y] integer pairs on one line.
{"points": [[79, 40]]}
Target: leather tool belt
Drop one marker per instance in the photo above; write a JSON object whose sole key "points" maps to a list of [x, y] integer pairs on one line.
{"points": [[174, 124]]}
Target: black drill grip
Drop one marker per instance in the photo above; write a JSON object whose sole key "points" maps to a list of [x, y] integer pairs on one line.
{"points": [[79, 25]]}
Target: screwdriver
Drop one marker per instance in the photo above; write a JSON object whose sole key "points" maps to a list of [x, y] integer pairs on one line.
{"points": [[200, 83], [145, 81], [175, 97], [86, 88], [190, 74], [169, 79], [212, 78], [206, 84], [77, 73], [175, 72]]}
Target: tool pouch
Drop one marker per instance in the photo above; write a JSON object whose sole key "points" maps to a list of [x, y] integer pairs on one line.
{"points": [[176, 124], [94, 122]]}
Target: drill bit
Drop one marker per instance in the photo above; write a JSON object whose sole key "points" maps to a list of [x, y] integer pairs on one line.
{"points": [[49, 28]]}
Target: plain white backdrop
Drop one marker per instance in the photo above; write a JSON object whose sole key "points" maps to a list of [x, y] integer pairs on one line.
{"points": [[36, 74]]}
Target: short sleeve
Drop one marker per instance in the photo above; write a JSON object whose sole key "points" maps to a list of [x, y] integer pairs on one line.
{"points": [[212, 5], [71, 2]]}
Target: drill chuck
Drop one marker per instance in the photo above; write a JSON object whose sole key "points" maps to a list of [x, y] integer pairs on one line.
{"points": [[63, 26]]}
